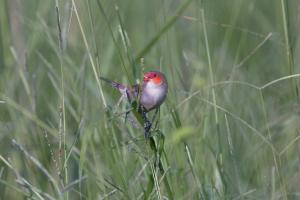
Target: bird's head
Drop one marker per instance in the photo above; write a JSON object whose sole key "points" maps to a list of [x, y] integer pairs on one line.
{"points": [[154, 77]]}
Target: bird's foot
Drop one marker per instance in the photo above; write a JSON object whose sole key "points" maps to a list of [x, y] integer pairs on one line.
{"points": [[147, 128], [147, 123]]}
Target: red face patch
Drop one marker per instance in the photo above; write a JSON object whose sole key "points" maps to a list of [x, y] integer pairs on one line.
{"points": [[153, 77]]}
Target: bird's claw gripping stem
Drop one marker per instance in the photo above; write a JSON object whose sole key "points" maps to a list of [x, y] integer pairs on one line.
{"points": [[147, 123], [147, 127]]}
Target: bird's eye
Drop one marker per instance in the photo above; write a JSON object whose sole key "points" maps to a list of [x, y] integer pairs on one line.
{"points": [[154, 75]]}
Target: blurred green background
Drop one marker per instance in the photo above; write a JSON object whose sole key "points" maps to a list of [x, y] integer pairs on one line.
{"points": [[230, 122]]}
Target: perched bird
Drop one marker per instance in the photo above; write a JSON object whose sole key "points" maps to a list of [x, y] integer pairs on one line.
{"points": [[151, 93]]}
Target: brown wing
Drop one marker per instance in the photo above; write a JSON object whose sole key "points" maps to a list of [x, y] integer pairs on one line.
{"points": [[133, 92]]}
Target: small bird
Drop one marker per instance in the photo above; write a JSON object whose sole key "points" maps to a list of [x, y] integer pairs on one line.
{"points": [[151, 93]]}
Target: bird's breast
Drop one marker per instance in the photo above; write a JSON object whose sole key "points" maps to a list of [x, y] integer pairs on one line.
{"points": [[152, 97]]}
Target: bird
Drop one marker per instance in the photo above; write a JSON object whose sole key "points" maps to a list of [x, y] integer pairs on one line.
{"points": [[150, 94]]}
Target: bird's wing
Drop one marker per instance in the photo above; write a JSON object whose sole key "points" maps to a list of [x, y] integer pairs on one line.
{"points": [[131, 93]]}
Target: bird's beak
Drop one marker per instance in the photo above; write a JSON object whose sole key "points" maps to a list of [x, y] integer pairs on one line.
{"points": [[146, 78]]}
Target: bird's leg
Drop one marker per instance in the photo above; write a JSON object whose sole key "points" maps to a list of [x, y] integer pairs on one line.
{"points": [[147, 127], [147, 123]]}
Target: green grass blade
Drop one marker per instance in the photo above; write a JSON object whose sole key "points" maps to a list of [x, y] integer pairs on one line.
{"points": [[166, 27]]}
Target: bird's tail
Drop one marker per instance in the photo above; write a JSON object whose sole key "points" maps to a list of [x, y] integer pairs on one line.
{"points": [[116, 85]]}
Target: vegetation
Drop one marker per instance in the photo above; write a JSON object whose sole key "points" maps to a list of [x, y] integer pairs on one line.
{"points": [[229, 128]]}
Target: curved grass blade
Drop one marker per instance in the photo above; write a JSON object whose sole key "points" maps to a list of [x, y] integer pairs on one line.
{"points": [[163, 30]]}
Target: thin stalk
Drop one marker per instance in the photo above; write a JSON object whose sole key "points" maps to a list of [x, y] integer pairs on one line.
{"points": [[113, 38], [92, 24], [89, 53], [155, 148], [156, 184], [191, 163], [163, 30], [209, 64], [63, 131], [269, 137], [289, 52], [127, 45]]}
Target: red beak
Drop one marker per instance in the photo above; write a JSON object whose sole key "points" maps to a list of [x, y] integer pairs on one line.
{"points": [[146, 79]]}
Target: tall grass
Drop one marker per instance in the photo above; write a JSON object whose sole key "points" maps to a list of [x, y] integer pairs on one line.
{"points": [[229, 128]]}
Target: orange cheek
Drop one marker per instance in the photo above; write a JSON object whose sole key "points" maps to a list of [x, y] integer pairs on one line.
{"points": [[156, 80]]}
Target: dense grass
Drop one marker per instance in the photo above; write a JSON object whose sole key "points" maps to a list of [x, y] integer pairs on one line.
{"points": [[228, 130]]}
